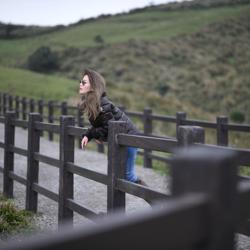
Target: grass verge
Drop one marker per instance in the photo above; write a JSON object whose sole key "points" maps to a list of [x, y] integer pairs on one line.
{"points": [[12, 220]]}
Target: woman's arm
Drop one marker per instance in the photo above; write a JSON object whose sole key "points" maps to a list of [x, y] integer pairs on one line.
{"points": [[100, 130]]}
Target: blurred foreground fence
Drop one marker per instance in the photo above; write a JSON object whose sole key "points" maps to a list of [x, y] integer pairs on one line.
{"points": [[50, 111]]}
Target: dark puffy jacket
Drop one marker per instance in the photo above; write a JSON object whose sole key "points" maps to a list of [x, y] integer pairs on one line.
{"points": [[109, 112]]}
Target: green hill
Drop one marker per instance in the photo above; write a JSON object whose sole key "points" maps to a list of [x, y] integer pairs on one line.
{"points": [[148, 25], [34, 85], [192, 59]]}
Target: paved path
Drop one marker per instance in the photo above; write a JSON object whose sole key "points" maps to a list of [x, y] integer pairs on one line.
{"points": [[88, 193]]}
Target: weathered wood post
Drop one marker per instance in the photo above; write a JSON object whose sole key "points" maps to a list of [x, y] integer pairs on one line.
{"points": [[9, 140], [116, 166], [40, 105], [212, 172], [50, 117], [80, 122], [188, 135], [32, 105], [10, 103], [32, 164], [148, 129], [66, 179], [17, 107], [222, 131], [24, 108], [180, 116], [1, 103], [4, 103], [64, 108]]}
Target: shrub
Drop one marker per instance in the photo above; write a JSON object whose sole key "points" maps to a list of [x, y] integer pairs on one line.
{"points": [[237, 116], [162, 88], [11, 219], [43, 60], [99, 39]]}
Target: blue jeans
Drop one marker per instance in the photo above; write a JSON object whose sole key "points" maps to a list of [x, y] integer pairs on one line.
{"points": [[130, 165]]}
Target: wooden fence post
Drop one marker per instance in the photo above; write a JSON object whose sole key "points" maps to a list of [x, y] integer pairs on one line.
{"points": [[1, 103], [10, 103], [212, 172], [9, 140], [50, 117], [4, 103], [222, 132], [24, 106], [180, 116], [148, 129], [188, 135], [116, 166], [80, 123], [17, 107], [32, 164], [32, 105], [64, 108], [40, 105], [66, 179]]}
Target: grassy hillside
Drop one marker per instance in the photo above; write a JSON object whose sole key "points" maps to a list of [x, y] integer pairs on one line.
{"points": [[33, 85], [209, 68], [196, 60], [148, 25], [52, 87]]}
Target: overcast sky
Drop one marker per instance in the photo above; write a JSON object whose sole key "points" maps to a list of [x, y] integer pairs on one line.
{"points": [[53, 12]]}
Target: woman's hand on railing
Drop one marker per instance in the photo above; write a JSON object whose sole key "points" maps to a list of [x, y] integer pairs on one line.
{"points": [[84, 142]]}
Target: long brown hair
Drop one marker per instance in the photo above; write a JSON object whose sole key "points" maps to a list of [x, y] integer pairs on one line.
{"points": [[90, 102]]}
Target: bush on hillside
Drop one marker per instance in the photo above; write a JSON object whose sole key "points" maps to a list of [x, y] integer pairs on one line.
{"points": [[43, 60], [162, 88], [237, 116], [98, 39]]}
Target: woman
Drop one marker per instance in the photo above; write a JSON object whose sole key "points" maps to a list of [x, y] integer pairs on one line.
{"points": [[100, 111]]}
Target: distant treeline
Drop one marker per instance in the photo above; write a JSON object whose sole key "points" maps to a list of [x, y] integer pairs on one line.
{"points": [[13, 31]]}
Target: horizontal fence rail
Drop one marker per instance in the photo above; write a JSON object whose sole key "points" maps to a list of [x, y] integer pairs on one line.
{"points": [[67, 132], [51, 110], [147, 142]]}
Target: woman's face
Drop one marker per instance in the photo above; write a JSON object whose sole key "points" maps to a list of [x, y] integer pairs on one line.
{"points": [[85, 86]]}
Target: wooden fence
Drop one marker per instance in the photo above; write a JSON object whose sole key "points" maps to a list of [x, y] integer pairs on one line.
{"points": [[208, 204], [115, 181], [52, 110]]}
